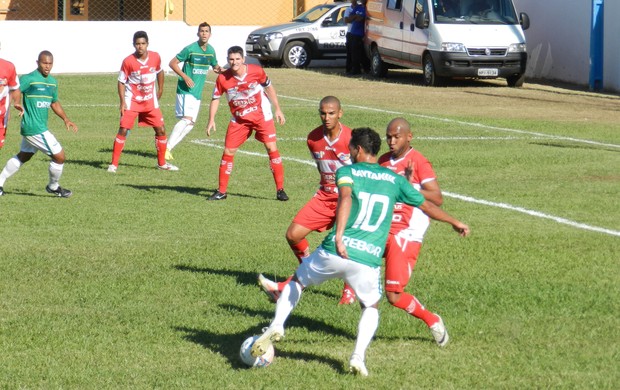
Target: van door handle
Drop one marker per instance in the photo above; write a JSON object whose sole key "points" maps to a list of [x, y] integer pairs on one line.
{"points": [[412, 27], [401, 25]]}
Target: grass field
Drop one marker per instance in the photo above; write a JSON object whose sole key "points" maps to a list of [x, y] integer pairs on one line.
{"points": [[138, 282]]}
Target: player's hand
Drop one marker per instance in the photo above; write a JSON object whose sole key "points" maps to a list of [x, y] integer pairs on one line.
{"points": [[19, 109], [409, 170], [189, 82], [280, 117], [217, 69], [461, 229], [341, 249], [210, 128], [71, 126]]}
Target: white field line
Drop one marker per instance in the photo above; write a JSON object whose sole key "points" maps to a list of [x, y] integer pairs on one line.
{"points": [[564, 221]]}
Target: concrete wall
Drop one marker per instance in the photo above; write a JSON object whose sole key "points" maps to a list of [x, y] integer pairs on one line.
{"points": [[611, 66]]}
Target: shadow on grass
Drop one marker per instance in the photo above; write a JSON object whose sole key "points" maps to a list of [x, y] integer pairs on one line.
{"points": [[103, 165], [180, 189], [571, 145], [141, 153]]}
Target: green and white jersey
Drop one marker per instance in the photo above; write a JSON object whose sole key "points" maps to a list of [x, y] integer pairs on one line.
{"points": [[375, 189], [196, 64], [38, 94]]}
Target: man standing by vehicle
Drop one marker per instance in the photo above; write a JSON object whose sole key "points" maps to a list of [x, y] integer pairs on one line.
{"points": [[355, 38]]}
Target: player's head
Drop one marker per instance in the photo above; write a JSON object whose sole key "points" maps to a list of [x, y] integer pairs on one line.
{"points": [[140, 43], [204, 32], [235, 58], [235, 50], [45, 62], [330, 112], [367, 140], [398, 136]]}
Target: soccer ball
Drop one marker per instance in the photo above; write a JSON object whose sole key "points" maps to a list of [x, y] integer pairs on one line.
{"points": [[251, 361]]}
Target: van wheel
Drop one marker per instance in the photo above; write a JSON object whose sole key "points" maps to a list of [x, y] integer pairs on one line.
{"points": [[515, 80], [296, 55], [378, 68], [430, 76]]}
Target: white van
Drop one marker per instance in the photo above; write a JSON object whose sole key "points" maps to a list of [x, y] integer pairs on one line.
{"points": [[447, 38]]}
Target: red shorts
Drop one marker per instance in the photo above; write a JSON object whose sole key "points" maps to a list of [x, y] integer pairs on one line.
{"points": [[400, 258], [153, 118], [238, 132], [2, 133], [319, 214]]}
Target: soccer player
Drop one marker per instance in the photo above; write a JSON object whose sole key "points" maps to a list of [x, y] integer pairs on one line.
{"points": [[329, 146], [409, 225], [353, 249], [250, 96], [9, 95], [140, 99], [196, 58], [40, 93]]}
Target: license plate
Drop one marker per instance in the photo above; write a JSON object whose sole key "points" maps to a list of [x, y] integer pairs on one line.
{"points": [[249, 47], [486, 72]]}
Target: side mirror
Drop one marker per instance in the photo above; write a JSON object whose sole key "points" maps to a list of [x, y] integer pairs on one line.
{"points": [[524, 20], [421, 21], [327, 21]]}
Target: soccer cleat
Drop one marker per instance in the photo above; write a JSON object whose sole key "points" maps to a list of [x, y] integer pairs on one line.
{"points": [[217, 195], [281, 195], [357, 366], [112, 168], [60, 192], [348, 296], [168, 167], [1, 191], [269, 287], [270, 335], [168, 155], [440, 333]]}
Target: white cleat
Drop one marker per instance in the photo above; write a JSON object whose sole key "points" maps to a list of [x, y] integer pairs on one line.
{"points": [[440, 333], [168, 167], [270, 335], [269, 287], [357, 366], [112, 168]]}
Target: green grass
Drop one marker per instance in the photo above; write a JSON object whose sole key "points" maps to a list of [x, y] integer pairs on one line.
{"points": [[138, 282]]}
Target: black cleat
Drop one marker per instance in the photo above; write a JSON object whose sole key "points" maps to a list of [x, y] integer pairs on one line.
{"points": [[281, 195], [1, 191], [60, 192], [217, 195]]}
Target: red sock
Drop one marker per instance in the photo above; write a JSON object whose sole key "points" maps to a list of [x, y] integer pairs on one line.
{"points": [[301, 249], [117, 149], [226, 166], [281, 285], [411, 305], [161, 143], [277, 168]]}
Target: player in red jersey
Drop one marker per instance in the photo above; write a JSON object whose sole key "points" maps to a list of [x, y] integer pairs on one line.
{"points": [[329, 146], [9, 94], [409, 225], [250, 96], [140, 99]]}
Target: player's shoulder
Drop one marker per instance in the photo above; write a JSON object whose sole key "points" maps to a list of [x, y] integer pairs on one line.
{"points": [[316, 134], [384, 158], [5, 64]]}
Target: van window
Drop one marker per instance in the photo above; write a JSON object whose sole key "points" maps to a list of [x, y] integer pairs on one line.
{"points": [[474, 11], [395, 4]]}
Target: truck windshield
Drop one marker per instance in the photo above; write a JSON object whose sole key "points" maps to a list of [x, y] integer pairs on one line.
{"points": [[314, 14], [474, 12]]}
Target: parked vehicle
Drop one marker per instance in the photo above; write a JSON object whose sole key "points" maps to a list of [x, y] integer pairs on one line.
{"points": [[318, 33], [448, 38]]}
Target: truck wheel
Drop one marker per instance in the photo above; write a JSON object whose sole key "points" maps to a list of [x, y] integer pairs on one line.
{"points": [[378, 68], [296, 55], [515, 80], [430, 76]]}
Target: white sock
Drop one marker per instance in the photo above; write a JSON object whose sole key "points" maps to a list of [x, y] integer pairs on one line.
{"points": [[369, 322], [178, 132], [55, 173], [290, 296], [9, 170]]}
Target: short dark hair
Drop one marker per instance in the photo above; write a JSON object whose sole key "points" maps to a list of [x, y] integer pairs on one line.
{"points": [[140, 34], [367, 138], [204, 24], [330, 99], [235, 50], [45, 53]]}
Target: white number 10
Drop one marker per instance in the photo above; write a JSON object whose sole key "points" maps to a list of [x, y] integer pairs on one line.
{"points": [[368, 202]]}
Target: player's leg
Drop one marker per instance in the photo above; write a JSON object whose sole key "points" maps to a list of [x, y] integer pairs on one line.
{"points": [[187, 107], [236, 135], [126, 123], [365, 281], [266, 133], [48, 144], [14, 163]]}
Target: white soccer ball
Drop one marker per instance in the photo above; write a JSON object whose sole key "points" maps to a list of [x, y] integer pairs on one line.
{"points": [[251, 361]]}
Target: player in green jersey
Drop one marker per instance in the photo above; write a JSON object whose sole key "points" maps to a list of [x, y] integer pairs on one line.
{"points": [[354, 247], [196, 58], [40, 93]]}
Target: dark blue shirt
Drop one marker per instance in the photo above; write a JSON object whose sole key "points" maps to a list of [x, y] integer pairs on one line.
{"points": [[357, 27]]}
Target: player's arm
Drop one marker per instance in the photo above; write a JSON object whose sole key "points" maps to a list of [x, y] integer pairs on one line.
{"points": [[58, 110], [16, 98], [121, 96], [432, 192], [343, 211], [270, 91], [160, 84], [213, 107], [438, 214], [174, 65]]}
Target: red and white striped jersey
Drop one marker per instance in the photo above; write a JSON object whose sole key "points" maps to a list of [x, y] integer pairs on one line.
{"points": [[140, 78], [329, 155]]}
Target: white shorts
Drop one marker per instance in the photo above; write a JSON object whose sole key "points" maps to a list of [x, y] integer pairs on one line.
{"points": [[45, 142], [321, 266], [187, 105]]}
